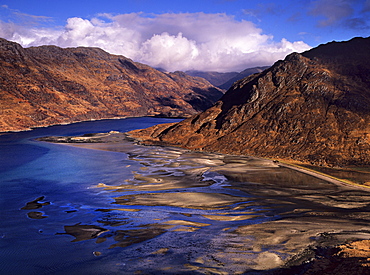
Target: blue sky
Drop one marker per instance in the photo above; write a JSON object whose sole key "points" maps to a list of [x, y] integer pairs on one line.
{"points": [[219, 35]]}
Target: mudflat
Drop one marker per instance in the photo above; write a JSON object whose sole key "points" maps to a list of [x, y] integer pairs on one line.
{"points": [[254, 215]]}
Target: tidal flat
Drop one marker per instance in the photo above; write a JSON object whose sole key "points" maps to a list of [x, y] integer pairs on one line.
{"points": [[184, 212]]}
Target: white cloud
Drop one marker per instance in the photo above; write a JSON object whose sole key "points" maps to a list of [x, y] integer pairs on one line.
{"points": [[172, 41], [169, 51]]}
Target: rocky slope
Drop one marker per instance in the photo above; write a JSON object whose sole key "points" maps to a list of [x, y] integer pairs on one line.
{"points": [[312, 107], [46, 85]]}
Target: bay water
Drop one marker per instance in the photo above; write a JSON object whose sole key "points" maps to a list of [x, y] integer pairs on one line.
{"points": [[125, 208]]}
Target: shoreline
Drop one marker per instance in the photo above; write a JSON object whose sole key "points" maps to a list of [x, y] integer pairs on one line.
{"points": [[114, 137], [58, 124], [332, 247], [324, 176], [25, 129]]}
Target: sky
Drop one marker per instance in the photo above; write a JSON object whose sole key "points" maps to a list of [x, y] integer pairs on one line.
{"points": [[206, 35]]}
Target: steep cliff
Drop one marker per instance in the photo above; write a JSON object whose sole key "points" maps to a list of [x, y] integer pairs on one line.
{"points": [[40, 86], [312, 107]]}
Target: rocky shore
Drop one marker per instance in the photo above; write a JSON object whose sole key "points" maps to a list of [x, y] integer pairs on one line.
{"points": [[340, 259]]}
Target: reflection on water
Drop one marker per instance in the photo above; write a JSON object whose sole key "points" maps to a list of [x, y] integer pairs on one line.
{"points": [[156, 210]]}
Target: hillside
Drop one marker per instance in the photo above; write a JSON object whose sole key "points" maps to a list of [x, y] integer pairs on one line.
{"points": [[226, 80], [241, 75], [312, 107], [47, 85], [215, 78]]}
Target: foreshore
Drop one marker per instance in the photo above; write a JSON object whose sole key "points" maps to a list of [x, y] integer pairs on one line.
{"points": [[114, 137], [337, 248]]}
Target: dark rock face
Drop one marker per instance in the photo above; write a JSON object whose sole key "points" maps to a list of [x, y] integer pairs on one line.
{"points": [[48, 85], [312, 107]]}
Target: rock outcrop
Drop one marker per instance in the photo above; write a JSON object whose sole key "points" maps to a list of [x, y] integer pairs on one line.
{"points": [[41, 86], [312, 107]]}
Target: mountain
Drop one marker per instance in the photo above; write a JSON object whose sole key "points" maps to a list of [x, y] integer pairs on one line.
{"points": [[225, 80], [215, 78], [41, 86], [247, 72], [312, 107]]}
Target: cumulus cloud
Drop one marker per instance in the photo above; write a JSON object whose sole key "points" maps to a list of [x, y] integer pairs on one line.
{"points": [[181, 41]]}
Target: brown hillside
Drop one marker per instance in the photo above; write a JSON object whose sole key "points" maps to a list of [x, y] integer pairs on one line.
{"points": [[312, 107], [41, 86]]}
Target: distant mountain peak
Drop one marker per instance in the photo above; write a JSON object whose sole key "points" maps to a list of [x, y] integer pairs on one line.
{"points": [[225, 80]]}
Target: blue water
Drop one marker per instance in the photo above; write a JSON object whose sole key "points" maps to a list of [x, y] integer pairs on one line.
{"points": [[154, 210], [63, 175], [142, 236]]}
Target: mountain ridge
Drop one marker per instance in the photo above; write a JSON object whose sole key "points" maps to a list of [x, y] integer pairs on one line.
{"points": [[225, 80], [306, 108], [46, 85]]}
